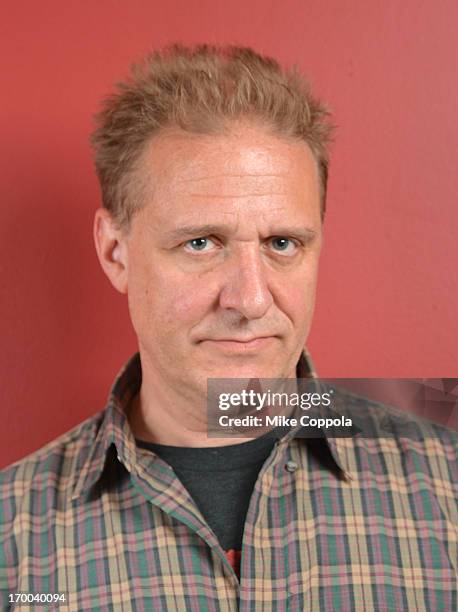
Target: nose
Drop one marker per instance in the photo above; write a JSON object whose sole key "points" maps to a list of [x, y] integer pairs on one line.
{"points": [[245, 287]]}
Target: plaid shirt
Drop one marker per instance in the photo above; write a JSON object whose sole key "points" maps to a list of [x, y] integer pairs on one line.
{"points": [[333, 524]]}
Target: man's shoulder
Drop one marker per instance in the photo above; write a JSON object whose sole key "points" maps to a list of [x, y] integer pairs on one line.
{"points": [[54, 463], [394, 446], [376, 419]]}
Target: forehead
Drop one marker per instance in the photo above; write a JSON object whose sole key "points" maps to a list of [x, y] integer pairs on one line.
{"points": [[246, 168]]}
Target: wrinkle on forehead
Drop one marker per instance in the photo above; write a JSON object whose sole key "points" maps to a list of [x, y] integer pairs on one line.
{"points": [[217, 176], [233, 162], [244, 151], [233, 186], [232, 195], [248, 166]]}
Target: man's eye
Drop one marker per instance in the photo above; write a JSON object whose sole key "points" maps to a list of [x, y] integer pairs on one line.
{"points": [[200, 244], [283, 245]]}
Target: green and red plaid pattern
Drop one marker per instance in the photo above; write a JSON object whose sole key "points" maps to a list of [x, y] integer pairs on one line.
{"points": [[346, 524]]}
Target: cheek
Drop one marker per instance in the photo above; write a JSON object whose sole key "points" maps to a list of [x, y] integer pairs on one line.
{"points": [[183, 303], [167, 302], [300, 302], [297, 296]]}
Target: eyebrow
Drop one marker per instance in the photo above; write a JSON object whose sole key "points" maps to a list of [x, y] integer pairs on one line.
{"points": [[189, 231]]}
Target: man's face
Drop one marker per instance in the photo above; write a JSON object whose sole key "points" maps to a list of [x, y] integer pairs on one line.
{"points": [[223, 259]]}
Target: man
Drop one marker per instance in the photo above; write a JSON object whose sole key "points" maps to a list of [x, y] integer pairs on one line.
{"points": [[213, 168]]}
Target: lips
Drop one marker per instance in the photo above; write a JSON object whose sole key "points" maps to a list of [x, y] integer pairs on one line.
{"points": [[242, 340], [238, 344]]}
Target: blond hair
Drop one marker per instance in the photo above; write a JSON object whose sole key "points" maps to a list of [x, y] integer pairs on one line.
{"points": [[199, 90]]}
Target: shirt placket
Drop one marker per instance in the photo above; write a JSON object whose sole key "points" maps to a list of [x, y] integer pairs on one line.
{"points": [[156, 481], [256, 591]]}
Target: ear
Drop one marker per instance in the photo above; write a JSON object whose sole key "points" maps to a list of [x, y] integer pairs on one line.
{"points": [[111, 247]]}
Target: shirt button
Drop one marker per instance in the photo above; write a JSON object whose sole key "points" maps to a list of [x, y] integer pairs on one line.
{"points": [[291, 466]]}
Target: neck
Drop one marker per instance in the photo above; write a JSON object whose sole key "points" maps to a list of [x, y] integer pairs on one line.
{"points": [[163, 415], [172, 414]]}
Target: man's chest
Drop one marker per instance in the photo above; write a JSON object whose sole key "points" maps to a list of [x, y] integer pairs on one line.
{"points": [[309, 543]]}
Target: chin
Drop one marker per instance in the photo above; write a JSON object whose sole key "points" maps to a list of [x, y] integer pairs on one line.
{"points": [[248, 370]]}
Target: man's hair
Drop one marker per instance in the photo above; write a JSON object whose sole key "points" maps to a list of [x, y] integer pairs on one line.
{"points": [[200, 90]]}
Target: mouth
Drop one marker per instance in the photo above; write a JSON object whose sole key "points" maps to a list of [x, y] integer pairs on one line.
{"points": [[240, 346]]}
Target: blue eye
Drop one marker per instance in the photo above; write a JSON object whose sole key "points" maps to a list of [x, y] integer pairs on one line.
{"points": [[199, 244], [281, 244]]}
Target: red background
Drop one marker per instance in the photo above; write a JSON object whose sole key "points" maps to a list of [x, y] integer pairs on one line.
{"points": [[387, 295]]}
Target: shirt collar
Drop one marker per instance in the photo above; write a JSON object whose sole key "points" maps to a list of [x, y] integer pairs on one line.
{"points": [[336, 446], [115, 429]]}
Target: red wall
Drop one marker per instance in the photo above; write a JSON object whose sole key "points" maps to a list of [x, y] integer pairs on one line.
{"points": [[388, 287]]}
